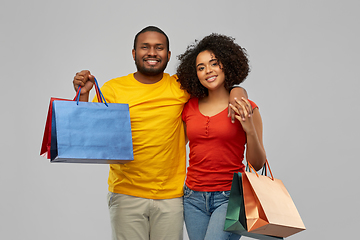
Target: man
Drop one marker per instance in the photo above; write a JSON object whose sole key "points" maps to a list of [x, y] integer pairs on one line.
{"points": [[145, 195]]}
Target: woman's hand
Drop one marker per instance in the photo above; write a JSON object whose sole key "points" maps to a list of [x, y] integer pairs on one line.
{"points": [[236, 93], [244, 113]]}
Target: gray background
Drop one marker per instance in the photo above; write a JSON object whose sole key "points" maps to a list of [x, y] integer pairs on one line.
{"points": [[304, 57]]}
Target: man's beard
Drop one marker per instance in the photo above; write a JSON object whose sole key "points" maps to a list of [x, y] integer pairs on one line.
{"points": [[149, 71]]}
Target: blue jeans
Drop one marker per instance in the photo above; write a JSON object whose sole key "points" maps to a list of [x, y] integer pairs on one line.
{"points": [[204, 214]]}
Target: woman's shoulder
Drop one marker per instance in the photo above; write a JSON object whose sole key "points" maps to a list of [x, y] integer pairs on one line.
{"points": [[253, 104]]}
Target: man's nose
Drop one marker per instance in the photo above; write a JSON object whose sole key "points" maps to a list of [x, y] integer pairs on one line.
{"points": [[152, 52]]}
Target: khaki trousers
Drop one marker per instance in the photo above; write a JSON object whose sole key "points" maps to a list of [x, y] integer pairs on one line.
{"points": [[134, 218]]}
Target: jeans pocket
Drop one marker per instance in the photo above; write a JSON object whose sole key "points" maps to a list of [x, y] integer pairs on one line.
{"points": [[187, 191], [226, 194], [110, 198]]}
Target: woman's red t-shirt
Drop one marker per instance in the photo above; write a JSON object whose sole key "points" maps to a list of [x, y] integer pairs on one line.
{"points": [[216, 148]]}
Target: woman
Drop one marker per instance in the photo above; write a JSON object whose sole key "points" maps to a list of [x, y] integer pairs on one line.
{"points": [[207, 70]]}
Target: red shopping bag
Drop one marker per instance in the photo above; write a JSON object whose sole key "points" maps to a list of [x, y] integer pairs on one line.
{"points": [[46, 143]]}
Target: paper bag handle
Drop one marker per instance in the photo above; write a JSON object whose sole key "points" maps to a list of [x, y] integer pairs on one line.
{"points": [[100, 96], [266, 166]]}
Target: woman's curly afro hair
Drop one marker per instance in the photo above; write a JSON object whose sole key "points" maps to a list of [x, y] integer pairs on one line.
{"points": [[232, 57]]}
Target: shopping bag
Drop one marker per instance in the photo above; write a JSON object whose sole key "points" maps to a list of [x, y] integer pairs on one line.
{"points": [[235, 220], [88, 132], [46, 143], [268, 206]]}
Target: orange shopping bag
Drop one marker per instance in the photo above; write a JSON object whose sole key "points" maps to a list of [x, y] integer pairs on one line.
{"points": [[268, 206]]}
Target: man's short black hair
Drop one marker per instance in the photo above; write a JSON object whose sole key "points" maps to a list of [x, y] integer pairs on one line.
{"points": [[152, 29]]}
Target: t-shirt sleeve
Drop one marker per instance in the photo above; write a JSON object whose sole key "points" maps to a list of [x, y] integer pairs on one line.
{"points": [[253, 105], [184, 112]]}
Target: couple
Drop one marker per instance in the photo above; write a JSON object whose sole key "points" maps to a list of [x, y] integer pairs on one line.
{"points": [[146, 197]]}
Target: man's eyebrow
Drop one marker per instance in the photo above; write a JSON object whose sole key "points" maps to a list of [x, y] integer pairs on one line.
{"points": [[156, 44]]}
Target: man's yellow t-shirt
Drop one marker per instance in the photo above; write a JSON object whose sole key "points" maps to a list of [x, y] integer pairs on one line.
{"points": [[158, 170]]}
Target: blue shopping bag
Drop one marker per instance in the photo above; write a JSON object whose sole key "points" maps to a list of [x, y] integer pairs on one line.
{"points": [[89, 132]]}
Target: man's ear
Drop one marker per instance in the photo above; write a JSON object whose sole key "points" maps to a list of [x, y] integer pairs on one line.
{"points": [[169, 55], [133, 53]]}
